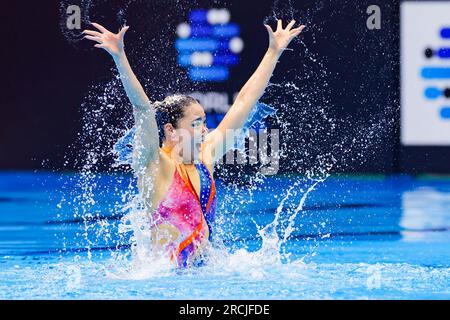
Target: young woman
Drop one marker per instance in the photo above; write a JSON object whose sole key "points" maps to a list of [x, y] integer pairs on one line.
{"points": [[174, 154]]}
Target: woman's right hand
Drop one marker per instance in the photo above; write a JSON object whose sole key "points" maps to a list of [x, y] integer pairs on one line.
{"points": [[111, 42]]}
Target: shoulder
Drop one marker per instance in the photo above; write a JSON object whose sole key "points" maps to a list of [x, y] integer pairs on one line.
{"points": [[164, 165]]}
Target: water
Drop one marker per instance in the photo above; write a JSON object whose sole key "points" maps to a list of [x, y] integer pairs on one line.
{"points": [[355, 237], [284, 237]]}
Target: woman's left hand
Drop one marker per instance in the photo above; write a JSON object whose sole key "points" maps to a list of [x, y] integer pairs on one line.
{"points": [[280, 39]]}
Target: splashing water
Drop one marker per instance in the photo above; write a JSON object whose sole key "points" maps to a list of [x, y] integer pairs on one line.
{"points": [[255, 252], [100, 140], [146, 263]]}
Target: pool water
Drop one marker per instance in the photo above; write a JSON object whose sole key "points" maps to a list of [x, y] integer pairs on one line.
{"points": [[355, 237]]}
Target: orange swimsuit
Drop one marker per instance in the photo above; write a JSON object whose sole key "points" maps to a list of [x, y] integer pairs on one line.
{"points": [[184, 209]]}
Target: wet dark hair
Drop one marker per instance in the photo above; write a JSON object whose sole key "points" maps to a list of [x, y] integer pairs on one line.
{"points": [[170, 110]]}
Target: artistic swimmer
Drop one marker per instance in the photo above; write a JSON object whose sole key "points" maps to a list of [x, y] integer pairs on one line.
{"points": [[174, 153]]}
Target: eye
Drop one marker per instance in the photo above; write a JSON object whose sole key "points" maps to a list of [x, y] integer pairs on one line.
{"points": [[196, 123]]}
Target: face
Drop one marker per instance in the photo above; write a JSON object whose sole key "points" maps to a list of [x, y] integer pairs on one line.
{"points": [[191, 131]]}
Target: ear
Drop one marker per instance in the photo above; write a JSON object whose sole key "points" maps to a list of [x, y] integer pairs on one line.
{"points": [[168, 127], [169, 131]]}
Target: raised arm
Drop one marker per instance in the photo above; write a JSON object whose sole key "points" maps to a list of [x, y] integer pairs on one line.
{"points": [[146, 138], [253, 88]]}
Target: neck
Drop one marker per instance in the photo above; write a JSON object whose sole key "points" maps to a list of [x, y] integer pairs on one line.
{"points": [[168, 150]]}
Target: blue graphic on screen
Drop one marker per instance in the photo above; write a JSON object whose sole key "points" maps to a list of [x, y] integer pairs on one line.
{"points": [[209, 45], [438, 73]]}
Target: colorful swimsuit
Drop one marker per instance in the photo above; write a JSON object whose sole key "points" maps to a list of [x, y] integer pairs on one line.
{"points": [[182, 207]]}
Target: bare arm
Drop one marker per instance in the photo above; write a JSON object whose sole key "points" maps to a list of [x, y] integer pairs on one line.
{"points": [[146, 139], [254, 88]]}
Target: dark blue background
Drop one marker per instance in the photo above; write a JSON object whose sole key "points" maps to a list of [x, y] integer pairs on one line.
{"points": [[45, 77]]}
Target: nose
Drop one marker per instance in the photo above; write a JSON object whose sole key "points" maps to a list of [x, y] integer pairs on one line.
{"points": [[205, 129]]}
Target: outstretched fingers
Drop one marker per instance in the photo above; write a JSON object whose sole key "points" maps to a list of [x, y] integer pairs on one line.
{"points": [[92, 33], [123, 31], [269, 28], [279, 25], [96, 39], [295, 32], [99, 27], [289, 26]]}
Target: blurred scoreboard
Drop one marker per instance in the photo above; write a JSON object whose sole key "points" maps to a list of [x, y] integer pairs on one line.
{"points": [[208, 45], [425, 73]]}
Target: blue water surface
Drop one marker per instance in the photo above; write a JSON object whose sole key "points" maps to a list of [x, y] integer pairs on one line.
{"points": [[357, 237]]}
